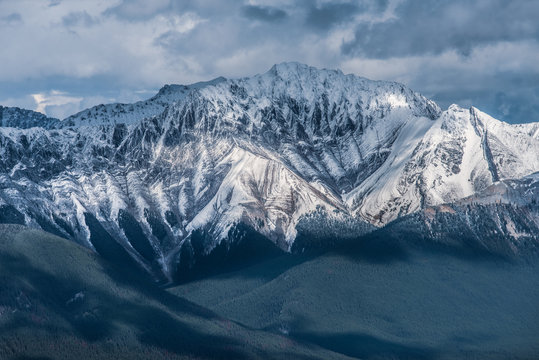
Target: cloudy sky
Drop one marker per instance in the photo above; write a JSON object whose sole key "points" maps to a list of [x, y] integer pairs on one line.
{"points": [[60, 56]]}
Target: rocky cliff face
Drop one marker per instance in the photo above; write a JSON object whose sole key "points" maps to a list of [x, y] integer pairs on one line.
{"points": [[263, 153], [460, 153], [24, 119], [500, 220]]}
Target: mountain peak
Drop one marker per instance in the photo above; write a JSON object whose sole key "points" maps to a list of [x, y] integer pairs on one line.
{"points": [[169, 88], [292, 151], [288, 66], [24, 119], [285, 69]]}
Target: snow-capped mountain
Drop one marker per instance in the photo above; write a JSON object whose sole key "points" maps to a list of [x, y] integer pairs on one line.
{"points": [[501, 220], [270, 153], [460, 153], [24, 119], [119, 113]]}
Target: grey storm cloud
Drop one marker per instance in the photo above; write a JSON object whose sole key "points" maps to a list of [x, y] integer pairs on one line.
{"points": [[330, 14], [137, 10], [79, 18], [471, 52], [509, 96], [326, 15], [264, 13], [11, 19], [432, 27]]}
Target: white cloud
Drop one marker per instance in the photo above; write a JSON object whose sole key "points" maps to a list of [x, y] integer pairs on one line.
{"points": [[25, 102], [132, 9], [44, 47], [56, 100], [441, 72], [113, 48]]}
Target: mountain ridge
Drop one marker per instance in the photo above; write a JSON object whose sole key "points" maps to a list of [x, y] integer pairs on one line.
{"points": [[264, 151]]}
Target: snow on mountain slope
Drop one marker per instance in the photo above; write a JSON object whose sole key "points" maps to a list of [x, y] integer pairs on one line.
{"points": [[266, 151], [24, 119], [331, 128], [263, 193], [501, 220], [522, 192], [463, 151], [111, 114]]}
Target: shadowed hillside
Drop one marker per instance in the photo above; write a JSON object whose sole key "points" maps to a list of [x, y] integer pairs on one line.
{"points": [[58, 300], [378, 301]]}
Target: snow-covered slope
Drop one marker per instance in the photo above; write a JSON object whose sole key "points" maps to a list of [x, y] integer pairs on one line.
{"points": [[117, 113], [501, 220], [24, 119], [460, 153], [266, 152]]}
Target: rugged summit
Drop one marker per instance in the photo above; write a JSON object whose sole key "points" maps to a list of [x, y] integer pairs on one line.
{"points": [[293, 151], [24, 119]]}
